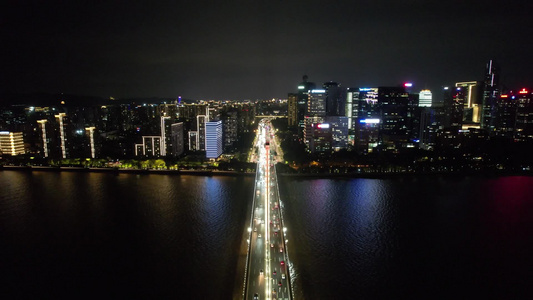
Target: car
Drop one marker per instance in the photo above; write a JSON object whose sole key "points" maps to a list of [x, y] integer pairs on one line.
{"points": [[271, 245], [282, 263], [256, 296], [275, 233], [255, 229], [283, 276], [280, 249], [259, 235], [279, 283], [261, 272], [274, 273]]}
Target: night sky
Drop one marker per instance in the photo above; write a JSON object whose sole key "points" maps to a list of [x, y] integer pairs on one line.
{"points": [[257, 49]]}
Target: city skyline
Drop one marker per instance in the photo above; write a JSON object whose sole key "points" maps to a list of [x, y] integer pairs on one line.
{"points": [[258, 50]]}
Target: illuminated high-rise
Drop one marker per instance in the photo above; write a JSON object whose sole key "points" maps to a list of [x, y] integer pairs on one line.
{"points": [[213, 139], [316, 104], [339, 131], [151, 146], [303, 96], [425, 98], [491, 92], [164, 136], [193, 140], [384, 117], [505, 116], [44, 137], [524, 115], [292, 110], [316, 111], [468, 94], [90, 135], [349, 105], [11, 143], [61, 120]]}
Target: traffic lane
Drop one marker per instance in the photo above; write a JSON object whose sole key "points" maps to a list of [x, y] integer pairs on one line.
{"points": [[277, 258], [256, 283]]}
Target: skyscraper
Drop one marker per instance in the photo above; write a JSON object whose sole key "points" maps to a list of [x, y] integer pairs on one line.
{"points": [[201, 120], [352, 93], [335, 98], [177, 138], [469, 96], [11, 143], [491, 92], [396, 114], [213, 139], [425, 98], [44, 137], [316, 111], [90, 135], [230, 124], [164, 136], [339, 131], [292, 110], [505, 116], [62, 133], [303, 96], [524, 115], [316, 104], [151, 146]]}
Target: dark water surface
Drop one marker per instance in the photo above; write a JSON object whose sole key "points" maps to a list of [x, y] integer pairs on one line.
{"points": [[92, 235], [127, 236], [410, 238]]}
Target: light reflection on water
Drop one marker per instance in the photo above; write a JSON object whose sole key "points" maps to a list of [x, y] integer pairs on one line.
{"points": [[414, 237], [147, 236], [157, 236]]}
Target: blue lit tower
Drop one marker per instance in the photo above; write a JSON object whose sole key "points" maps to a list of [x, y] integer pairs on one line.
{"points": [[213, 139]]}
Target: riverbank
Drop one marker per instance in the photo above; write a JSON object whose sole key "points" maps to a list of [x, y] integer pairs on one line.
{"points": [[392, 175], [127, 171], [375, 175]]}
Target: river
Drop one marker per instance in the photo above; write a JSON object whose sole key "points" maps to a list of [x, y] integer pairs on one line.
{"points": [[88, 235]]}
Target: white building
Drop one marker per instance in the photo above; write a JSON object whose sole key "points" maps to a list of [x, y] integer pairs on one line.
{"points": [[425, 98]]}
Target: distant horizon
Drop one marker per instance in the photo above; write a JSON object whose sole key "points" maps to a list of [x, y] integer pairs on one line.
{"points": [[436, 93]]}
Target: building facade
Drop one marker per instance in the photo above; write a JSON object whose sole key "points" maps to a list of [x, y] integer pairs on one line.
{"points": [[11, 143], [213, 139]]}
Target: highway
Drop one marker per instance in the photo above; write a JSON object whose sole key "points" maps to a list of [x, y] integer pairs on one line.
{"points": [[268, 274]]}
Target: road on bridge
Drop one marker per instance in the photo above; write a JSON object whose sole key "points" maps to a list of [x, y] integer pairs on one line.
{"points": [[268, 275]]}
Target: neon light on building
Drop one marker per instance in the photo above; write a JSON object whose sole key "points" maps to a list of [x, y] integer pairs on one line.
{"points": [[370, 121]]}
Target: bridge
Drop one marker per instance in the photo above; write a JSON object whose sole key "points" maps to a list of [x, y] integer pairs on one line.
{"points": [[267, 274]]}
